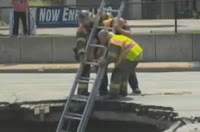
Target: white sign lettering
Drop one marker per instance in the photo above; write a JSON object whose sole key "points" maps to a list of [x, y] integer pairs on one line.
{"points": [[71, 15], [42, 14], [59, 16], [55, 14], [48, 15], [65, 14]]}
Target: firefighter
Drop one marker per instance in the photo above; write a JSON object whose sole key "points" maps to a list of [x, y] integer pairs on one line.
{"points": [[106, 16], [124, 29], [85, 25], [126, 54], [85, 19]]}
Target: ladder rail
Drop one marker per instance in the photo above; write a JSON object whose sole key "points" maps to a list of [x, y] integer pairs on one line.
{"points": [[97, 83], [66, 107], [90, 103], [91, 100], [79, 72], [122, 6], [96, 23]]}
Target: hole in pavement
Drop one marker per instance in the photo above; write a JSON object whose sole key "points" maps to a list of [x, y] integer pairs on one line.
{"points": [[93, 126]]}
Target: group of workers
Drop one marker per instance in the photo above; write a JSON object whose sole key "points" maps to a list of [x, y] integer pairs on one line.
{"points": [[124, 52]]}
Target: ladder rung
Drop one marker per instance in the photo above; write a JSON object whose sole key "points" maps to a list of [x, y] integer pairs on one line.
{"points": [[84, 81], [92, 63], [103, 27], [111, 10], [96, 45], [80, 98], [72, 117], [86, 78], [64, 131]]}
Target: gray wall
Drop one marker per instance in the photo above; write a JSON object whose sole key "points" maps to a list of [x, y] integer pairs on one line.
{"points": [[167, 9], [9, 50], [198, 5], [174, 47], [5, 3], [196, 47], [148, 43], [5, 11], [134, 9], [151, 9], [70, 2], [115, 4], [157, 47], [36, 49]]}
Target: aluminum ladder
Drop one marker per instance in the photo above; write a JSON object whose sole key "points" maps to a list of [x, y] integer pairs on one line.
{"points": [[80, 119]]}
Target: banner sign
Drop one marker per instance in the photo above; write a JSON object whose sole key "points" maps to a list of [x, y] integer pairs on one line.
{"points": [[58, 16]]}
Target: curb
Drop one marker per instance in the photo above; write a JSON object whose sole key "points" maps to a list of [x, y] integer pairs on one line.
{"points": [[109, 70], [72, 68]]}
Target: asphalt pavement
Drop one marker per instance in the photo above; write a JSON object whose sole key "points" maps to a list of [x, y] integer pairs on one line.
{"points": [[180, 90]]}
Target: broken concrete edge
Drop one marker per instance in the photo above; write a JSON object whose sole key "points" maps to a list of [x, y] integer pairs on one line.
{"points": [[109, 110], [55, 110], [185, 123], [72, 68], [164, 118]]}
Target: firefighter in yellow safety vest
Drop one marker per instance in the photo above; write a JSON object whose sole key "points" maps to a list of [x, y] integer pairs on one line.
{"points": [[126, 54], [123, 29]]}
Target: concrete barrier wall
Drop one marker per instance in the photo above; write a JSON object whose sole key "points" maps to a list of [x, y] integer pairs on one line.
{"points": [[159, 47], [36, 49], [174, 47], [63, 49], [196, 47], [9, 50], [5, 3], [148, 44]]}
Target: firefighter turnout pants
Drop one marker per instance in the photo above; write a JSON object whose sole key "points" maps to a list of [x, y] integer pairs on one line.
{"points": [[120, 76], [83, 86]]}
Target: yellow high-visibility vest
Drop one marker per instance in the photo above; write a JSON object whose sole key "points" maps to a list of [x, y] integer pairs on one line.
{"points": [[130, 49]]}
